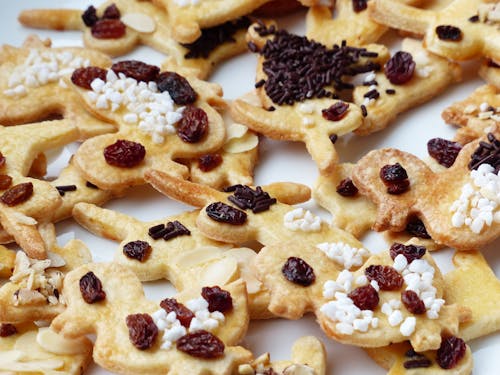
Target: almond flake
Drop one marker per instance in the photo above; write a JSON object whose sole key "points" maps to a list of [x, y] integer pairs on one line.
{"points": [[139, 22]]}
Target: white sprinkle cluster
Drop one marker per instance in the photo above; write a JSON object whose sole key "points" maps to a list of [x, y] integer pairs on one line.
{"points": [[303, 220], [185, 3], [41, 68], [154, 112], [343, 254], [172, 328], [422, 62], [478, 202], [307, 109], [392, 309], [342, 309]]}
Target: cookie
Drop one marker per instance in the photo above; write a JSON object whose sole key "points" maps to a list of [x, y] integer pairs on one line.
{"points": [[411, 77], [361, 307], [231, 165], [351, 23], [26, 201], [461, 31], [476, 115], [32, 349], [118, 27], [305, 106], [33, 292], [403, 187], [32, 86], [308, 357], [490, 72], [147, 338], [161, 117]]}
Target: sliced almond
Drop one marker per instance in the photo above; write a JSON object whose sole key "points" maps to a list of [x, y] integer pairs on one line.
{"points": [[33, 366], [245, 257], [220, 272], [299, 370], [27, 344], [237, 145], [201, 255], [56, 260], [235, 131], [10, 356], [55, 343], [139, 22]]}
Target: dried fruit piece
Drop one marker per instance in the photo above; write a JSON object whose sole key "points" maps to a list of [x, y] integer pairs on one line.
{"points": [[137, 70], [217, 298], [298, 271], [142, 330], [89, 16], [449, 32], [399, 68], [177, 86], [450, 352], [139, 250], [412, 302], [224, 213], [108, 29], [416, 228], [359, 5], [445, 152], [91, 288], [183, 314], [411, 252], [111, 12], [335, 112], [7, 330], [124, 154], [386, 276], [208, 162], [346, 188], [201, 344], [193, 124], [17, 194], [333, 138], [365, 297], [83, 77], [5, 181], [395, 178]]}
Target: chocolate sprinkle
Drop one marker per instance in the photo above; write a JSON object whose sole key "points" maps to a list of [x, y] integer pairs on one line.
{"points": [[65, 188], [372, 94], [91, 185], [364, 112], [486, 153], [167, 232], [474, 19], [298, 68], [245, 197], [390, 91]]}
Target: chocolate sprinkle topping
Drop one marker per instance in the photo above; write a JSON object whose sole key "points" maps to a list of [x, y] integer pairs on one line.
{"points": [[65, 188], [171, 230], [213, 37], [90, 185], [486, 153], [390, 91], [245, 197], [298, 68]]}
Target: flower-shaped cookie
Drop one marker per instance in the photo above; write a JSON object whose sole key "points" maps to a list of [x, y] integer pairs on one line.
{"points": [[187, 334]]}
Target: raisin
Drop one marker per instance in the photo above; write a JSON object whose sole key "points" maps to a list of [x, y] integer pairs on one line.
{"points": [[201, 344], [17, 194], [139, 250], [365, 297], [395, 178], [412, 302], [386, 276], [91, 288], [335, 112], [416, 228], [208, 162], [124, 154], [137, 70], [177, 86], [346, 188], [142, 330], [111, 12], [108, 29], [193, 125], [448, 32], [444, 151], [5, 181], [400, 67], [7, 330], [217, 298], [411, 252], [224, 213], [183, 314], [298, 271], [89, 17], [450, 352], [83, 77], [359, 5]]}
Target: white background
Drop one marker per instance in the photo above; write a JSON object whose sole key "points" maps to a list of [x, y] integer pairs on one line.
{"points": [[279, 161]]}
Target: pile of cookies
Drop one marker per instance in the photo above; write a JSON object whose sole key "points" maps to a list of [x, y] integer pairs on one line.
{"points": [[237, 251]]}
